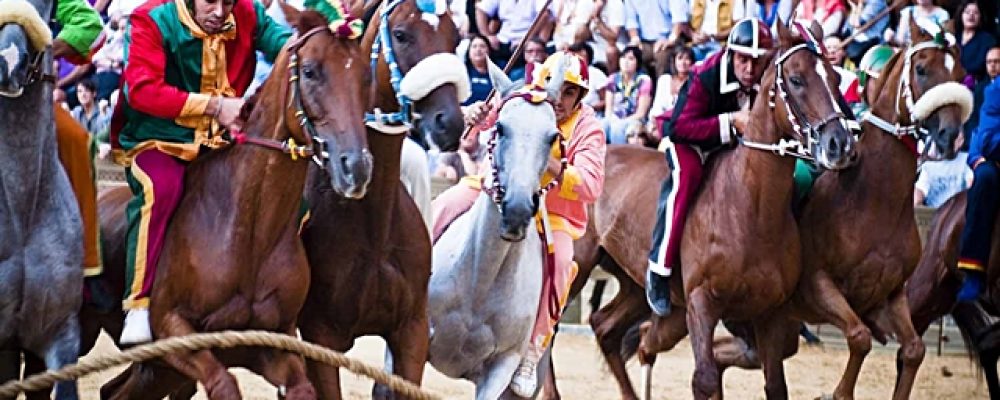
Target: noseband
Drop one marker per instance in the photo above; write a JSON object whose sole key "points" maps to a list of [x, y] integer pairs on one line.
{"points": [[808, 130], [496, 191], [318, 151]]}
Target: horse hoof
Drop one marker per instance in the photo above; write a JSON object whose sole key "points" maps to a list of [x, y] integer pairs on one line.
{"points": [[946, 372], [825, 396], [300, 392]]}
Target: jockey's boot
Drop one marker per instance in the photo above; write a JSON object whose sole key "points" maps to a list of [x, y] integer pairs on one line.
{"points": [[525, 380], [972, 286], [136, 329], [658, 293]]}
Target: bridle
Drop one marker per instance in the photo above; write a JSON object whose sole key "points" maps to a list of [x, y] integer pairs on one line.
{"points": [[383, 43], [36, 70], [317, 152], [810, 131], [495, 190]]}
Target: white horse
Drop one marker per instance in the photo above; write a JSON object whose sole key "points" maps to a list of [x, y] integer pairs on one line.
{"points": [[487, 271]]}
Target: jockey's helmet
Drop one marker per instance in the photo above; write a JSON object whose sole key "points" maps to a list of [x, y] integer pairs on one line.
{"points": [[873, 62], [576, 74], [750, 36]]}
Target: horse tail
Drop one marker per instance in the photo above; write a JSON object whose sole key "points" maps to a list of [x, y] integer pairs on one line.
{"points": [[976, 330], [631, 339]]}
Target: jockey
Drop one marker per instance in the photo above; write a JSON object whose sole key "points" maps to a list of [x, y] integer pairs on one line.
{"points": [[188, 65], [983, 196], [582, 183], [713, 107], [80, 26], [870, 67]]}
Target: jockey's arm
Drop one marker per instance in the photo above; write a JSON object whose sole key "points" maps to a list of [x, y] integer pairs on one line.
{"points": [[81, 26], [985, 143], [145, 76], [692, 123], [583, 179], [270, 36]]}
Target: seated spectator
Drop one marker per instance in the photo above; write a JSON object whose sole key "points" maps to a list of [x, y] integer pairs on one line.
{"points": [[711, 21], [654, 27], [669, 84], [534, 52], [836, 54], [973, 38], [109, 60], [848, 79], [979, 88], [769, 11], [628, 97], [938, 181], [476, 63], [461, 163], [861, 12], [89, 114], [829, 13], [606, 32], [513, 19], [598, 80], [922, 9]]}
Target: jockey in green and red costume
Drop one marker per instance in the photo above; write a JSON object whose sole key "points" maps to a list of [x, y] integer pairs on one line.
{"points": [[187, 66]]}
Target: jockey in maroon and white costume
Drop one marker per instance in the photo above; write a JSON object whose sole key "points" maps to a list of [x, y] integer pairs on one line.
{"points": [[712, 107]]}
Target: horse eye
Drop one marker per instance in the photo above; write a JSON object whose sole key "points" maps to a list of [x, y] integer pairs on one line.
{"points": [[400, 36], [499, 129], [553, 136], [796, 81], [309, 72], [921, 70]]}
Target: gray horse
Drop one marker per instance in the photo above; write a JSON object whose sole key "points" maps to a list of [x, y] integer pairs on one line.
{"points": [[40, 230], [486, 277]]}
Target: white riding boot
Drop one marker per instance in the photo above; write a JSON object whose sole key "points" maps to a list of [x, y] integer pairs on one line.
{"points": [[525, 380], [136, 329]]}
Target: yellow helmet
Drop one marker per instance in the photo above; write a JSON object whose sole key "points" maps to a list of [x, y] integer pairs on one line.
{"points": [[577, 73]]}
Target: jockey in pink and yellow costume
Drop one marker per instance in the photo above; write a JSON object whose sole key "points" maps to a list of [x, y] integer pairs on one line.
{"points": [[582, 183]]}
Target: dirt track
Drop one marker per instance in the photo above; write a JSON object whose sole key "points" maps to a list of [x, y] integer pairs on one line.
{"points": [[582, 375]]}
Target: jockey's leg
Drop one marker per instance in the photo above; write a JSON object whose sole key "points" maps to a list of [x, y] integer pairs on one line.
{"points": [[416, 177], [157, 182], [550, 305], [980, 216], [452, 203], [74, 145], [675, 196]]}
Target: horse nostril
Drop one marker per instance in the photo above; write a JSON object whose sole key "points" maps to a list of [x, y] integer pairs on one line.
{"points": [[345, 165], [440, 121]]}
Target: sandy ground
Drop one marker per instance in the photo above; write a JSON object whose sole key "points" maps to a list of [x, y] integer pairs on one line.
{"points": [[581, 374]]}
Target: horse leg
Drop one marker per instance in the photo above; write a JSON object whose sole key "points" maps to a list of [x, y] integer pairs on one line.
{"points": [[496, 375], [548, 375], [33, 366], [286, 371], [201, 366], [701, 321], [612, 322], [773, 335], [326, 378], [409, 345], [148, 380], [911, 350], [63, 350], [831, 304]]}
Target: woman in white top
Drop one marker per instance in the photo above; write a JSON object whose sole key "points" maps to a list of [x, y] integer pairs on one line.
{"points": [[669, 84], [922, 9]]}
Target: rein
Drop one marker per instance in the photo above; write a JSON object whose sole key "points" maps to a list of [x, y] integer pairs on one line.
{"points": [[36, 71], [317, 151], [383, 43]]}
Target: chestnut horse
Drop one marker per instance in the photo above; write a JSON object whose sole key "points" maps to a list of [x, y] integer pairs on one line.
{"points": [[236, 228], [933, 288], [371, 258]]}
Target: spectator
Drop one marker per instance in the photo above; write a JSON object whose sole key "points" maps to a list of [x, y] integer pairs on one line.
{"points": [[974, 38], [669, 84], [534, 52], [476, 63], [836, 54], [654, 26], [464, 162], [863, 11], [109, 60], [768, 11], [711, 21], [979, 88], [848, 80], [598, 80], [923, 9], [513, 21], [829, 13], [89, 114], [584, 20], [629, 95]]}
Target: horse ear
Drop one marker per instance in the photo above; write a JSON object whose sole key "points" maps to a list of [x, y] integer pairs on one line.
{"points": [[501, 82], [817, 31], [785, 38], [292, 14], [554, 86], [356, 8], [917, 34]]}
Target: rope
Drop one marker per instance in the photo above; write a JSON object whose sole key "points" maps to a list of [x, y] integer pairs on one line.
{"points": [[203, 341]]}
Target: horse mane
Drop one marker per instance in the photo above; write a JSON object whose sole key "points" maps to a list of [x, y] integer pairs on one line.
{"points": [[875, 86]]}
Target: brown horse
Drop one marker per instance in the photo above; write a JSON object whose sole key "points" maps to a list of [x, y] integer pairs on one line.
{"points": [[236, 228], [371, 258], [933, 288]]}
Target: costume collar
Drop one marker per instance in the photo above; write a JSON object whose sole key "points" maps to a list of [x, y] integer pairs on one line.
{"points": [[184, 15]]}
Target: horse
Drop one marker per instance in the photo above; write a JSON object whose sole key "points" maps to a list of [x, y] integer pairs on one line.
{"points": [[370, 258], [245, 201], [486, 283], [40, 228]]}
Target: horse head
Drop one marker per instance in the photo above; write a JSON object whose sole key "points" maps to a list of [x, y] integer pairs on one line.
{"points": [[526, 129], [803, 92], [420, 38], [24, 37], [927, 94], [326, 74]]}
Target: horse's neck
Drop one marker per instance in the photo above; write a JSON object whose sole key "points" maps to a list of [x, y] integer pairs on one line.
{"points": [[28, 154], [485, 251], [886, 163], [766, 176], [380, 201]]}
